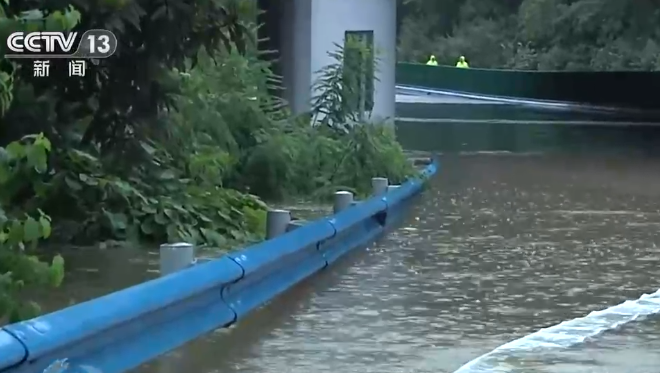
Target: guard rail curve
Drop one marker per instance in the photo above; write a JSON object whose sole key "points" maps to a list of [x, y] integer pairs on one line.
{"points": [[119, 331]]}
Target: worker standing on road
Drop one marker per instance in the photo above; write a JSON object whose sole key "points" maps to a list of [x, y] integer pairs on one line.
{"points": [[462, 63], [432, 61]]}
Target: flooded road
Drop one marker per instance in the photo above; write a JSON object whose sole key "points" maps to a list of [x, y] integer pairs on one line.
{"points": [[498, 247]]}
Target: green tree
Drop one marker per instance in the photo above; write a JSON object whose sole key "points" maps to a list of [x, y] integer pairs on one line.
{"points": [[174, 138], [23, 167], [534, 34]]}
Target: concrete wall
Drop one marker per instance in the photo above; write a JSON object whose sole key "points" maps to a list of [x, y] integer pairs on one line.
{"points": [[308, 30], [332, 18]]}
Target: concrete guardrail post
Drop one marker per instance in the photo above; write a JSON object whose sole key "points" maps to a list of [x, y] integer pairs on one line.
{"points": [[379, 185], [175, 257], [277, 222], [343, 200]]}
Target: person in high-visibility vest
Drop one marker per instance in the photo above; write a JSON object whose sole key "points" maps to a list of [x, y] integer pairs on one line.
{"points": [[462, 63], [432, 61]]}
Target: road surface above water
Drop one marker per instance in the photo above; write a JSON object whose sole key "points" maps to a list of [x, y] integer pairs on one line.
{"points": [[498, 247]]}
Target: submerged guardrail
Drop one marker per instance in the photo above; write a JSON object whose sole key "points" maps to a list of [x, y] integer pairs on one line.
{"points": [[121, 330]]}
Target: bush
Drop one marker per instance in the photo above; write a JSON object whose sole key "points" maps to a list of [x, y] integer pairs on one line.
{"points": [[188, 155], [23, 165]]}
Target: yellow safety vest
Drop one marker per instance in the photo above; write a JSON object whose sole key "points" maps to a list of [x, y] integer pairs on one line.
{"points": [[462, 64]]}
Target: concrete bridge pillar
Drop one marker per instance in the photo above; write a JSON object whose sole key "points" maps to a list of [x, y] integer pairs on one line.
{"points": [[304, 31]]}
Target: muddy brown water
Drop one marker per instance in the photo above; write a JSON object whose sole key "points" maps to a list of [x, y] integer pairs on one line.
{"points": [[498, 247]]}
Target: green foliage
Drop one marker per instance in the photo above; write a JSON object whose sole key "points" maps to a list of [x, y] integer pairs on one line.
{"points": [[175, 138], [27, 21], [23, 174], [340, 150], [164, 204], [324, 160], [534, 34], [115, 103], [23, 165], [253, 144], [340, 85], [317, 161]]}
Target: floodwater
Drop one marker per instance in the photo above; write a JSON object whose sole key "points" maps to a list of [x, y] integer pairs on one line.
{"points": [[498, 247]]}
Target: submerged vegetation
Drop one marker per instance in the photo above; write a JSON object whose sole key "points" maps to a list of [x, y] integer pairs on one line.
{"points": [[175, 138]]}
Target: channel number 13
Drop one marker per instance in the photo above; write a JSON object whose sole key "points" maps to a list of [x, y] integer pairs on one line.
{"points": [[97, 44]]}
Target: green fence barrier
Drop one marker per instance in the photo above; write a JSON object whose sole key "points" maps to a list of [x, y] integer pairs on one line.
{"points": [[636, 89]]}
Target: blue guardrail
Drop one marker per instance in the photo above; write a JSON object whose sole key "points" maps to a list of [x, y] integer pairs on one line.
{"points": [[122, 330]]}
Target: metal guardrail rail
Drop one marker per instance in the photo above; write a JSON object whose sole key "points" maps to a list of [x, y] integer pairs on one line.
{"points": [[122, 330]]}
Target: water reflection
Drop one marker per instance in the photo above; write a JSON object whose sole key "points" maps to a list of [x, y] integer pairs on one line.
{"points": [[518, 135], [93, 272], [498, 247]]}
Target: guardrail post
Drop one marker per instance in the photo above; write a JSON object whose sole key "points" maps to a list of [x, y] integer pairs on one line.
{"points": [[343, 200], [277, 222], [379, 185], [175, 257], [391, 188]]}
